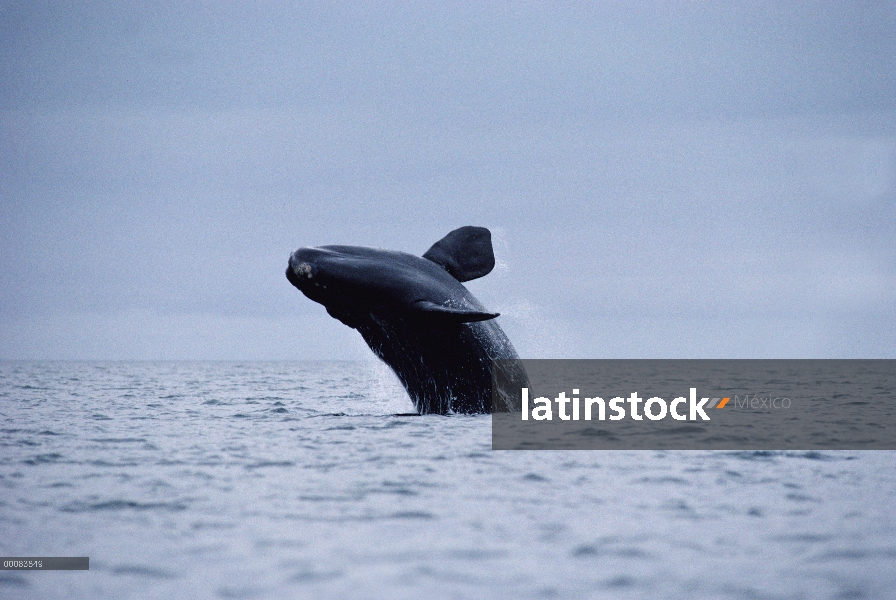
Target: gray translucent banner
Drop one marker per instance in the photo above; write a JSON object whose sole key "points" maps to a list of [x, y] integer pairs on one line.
{"points": [[44, 563], [694, 404]]}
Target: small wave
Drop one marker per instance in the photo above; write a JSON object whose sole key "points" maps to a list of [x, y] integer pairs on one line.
{"points": [[43, 459], [79, 507], [812, 455], [763, 455], [143, 571], [794, 497], [623, 581], [271, 463], [241, 592], [808, 538], [664, 480], [413, 514], [604, 550], [13, 580], [203, 525], [109, 463], [858, 554], [312, 576], [595, 432]]}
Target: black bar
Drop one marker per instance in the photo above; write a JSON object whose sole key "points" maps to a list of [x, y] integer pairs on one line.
{"points": [[44, 563], [771, 405]]}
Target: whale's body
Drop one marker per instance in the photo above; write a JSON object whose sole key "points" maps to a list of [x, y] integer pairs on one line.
{"points": [[416, 315]]}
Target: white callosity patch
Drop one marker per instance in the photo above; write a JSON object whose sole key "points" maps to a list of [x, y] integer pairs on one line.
{"points": [[303, 269]]}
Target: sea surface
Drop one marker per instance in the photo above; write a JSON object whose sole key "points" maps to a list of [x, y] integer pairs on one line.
{"points": [[303, 480]]}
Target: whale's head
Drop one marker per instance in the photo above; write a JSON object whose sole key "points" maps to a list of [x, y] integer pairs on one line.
{"points": [[354, 281], [340, 277], [317, 272]]}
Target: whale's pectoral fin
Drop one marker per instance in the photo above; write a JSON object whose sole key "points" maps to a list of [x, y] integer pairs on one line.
{"points": [[466, 253], [455, 315]]}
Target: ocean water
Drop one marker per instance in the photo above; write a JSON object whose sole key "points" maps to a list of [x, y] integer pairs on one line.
{"points": [[301, 480]]}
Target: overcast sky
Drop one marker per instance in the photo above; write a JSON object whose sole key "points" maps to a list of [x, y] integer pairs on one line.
{"points": [[675, 179]]}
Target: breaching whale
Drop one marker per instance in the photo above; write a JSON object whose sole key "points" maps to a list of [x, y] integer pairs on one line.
{"points": [[416, 315]]}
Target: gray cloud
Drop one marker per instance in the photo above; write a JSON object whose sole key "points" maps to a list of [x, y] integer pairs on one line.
{"points": [[663, 180]]}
